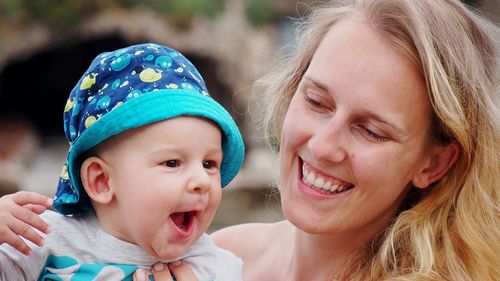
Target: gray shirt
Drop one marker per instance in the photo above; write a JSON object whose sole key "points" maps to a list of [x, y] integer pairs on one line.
{"points": [[78, 249]]}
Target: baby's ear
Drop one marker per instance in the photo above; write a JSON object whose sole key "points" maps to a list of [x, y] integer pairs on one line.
{"points": [[440, 161], [95, 179]]}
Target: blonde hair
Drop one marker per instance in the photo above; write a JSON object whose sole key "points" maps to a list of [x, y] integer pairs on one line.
{"points": [[451, 232]]}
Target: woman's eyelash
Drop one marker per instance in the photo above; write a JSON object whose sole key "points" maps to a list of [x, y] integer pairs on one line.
{"points": [[374, 136], [313, 102]]}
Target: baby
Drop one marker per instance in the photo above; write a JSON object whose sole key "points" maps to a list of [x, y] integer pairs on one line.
{"points": [[149, 153]]}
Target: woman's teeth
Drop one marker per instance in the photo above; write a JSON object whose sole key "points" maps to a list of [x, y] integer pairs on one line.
{"points": [[318, 182]]}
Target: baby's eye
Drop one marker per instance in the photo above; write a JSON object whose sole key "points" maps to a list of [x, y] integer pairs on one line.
{"points": [[171, 163], [209, 164]]}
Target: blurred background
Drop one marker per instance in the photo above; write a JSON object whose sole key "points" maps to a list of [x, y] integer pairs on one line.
{"points": [[46, 45]]}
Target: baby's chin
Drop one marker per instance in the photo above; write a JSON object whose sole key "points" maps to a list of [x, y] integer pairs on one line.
{"points": [[171, 251]]}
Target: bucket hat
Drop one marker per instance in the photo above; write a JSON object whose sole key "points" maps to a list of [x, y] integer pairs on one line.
{"points": [[129, 88]]}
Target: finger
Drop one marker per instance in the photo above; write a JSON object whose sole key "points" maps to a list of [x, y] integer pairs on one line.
{"points": [[140, 275], [26, 231], [162, 273], [15, 241], [182, 271], [31, 218], [26, 197], [37, 209]]}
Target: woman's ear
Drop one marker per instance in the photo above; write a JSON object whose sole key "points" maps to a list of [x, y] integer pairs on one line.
{"points": [[94, 174], [441, 159]]}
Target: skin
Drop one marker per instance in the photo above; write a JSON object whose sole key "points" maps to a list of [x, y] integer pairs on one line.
{"points": [[19, 218], [147, 174], [163, 272], [360, 118]]}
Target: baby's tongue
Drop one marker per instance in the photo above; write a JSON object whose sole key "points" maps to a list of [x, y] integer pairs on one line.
{"points": [[178, 218]]}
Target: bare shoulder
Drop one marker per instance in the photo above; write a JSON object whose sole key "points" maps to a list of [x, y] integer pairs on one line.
{"points": [[248, 240], [260, 245]]}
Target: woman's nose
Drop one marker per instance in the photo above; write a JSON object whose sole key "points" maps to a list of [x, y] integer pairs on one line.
{"points": [[328, 142]]}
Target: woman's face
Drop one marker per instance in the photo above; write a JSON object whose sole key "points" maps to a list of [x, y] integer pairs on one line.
{"points": [[354, 136]]}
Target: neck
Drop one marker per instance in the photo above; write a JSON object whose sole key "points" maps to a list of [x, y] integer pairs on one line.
{"points": [[319, 256]]}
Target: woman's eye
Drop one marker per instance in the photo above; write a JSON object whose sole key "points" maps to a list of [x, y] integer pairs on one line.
{"points": [[171, 163], [209, 164], [313, 102], [317, 103], [374, 136]]}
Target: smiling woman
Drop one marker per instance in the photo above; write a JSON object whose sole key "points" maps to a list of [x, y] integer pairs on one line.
{"points": [[361, 137], [387, 125], [345, 144]]}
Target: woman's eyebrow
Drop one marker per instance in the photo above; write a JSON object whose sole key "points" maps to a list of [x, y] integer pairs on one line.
{"points": [[374, 116], [318, 84]]}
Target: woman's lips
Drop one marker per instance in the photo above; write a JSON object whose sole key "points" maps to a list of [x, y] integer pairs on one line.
{"points": [[320, 182]]}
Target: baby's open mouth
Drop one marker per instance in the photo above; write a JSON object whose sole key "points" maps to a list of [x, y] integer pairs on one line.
{"points": [[183, 221]]}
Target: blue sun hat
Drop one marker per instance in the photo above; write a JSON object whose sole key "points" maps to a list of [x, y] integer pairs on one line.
{"points": [[129, 88]]}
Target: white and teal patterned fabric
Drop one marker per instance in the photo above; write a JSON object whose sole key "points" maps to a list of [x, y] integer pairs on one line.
{"points": [[77, 249]]}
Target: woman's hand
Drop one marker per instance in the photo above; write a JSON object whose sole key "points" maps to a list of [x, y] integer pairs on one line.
{"points": [[161, 272], [19, 215]]}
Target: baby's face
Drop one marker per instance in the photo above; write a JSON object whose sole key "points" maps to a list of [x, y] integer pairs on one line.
{"points": [[166, 183]]}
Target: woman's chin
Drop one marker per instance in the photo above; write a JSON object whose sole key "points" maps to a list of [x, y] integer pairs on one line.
{"points": [[303, 220]]}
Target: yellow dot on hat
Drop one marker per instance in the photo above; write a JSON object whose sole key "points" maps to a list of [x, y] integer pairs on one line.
{"points": [[89, 121]]}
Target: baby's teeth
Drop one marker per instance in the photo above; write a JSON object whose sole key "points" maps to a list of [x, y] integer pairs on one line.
{"points": [[340, 188], [334, 188]]}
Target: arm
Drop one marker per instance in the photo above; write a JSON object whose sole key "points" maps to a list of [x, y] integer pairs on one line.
{"points": [[19, 215]]}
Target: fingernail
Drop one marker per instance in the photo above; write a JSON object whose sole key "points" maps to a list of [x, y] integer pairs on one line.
{"points": [[159, 267], [50, 202], [42, 241], [48, 230], [175, 263], [141, 275]]}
